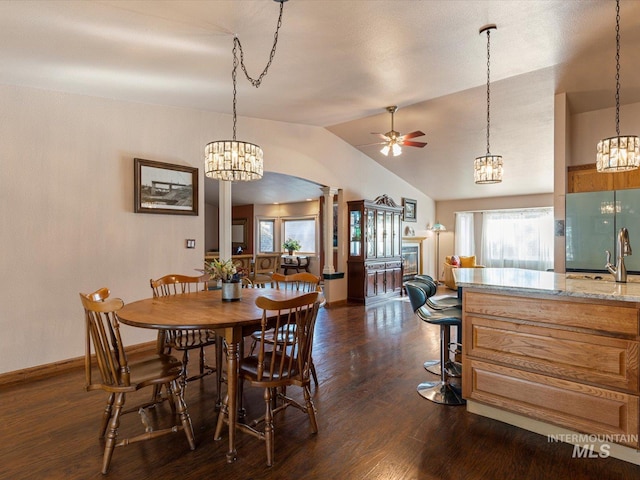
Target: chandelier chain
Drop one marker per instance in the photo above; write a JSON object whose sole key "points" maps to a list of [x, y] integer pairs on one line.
{"points": [[618, 67], [254, 81], [488, 86]]}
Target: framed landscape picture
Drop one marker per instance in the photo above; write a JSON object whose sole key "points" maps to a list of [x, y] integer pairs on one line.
{"points": [[165, 188], [409, 209]]}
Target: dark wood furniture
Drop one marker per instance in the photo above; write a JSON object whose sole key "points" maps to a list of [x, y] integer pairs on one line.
{"points": [[375, 254], [119, 377], [206, 310], [277, 366], [299, 263]]}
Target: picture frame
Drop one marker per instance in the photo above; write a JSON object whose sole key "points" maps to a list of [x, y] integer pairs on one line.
{"points": [[410, 207], [165, 188]]}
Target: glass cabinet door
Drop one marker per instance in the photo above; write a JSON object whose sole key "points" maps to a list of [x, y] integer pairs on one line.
{"points": [[397, 227], [388, 234], [589, 230], [355, 233], [371, 233], [380, 234]]}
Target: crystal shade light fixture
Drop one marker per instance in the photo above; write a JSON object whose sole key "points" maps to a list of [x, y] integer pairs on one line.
{"points": [[233, 160], [622, 152], [488, 168]]}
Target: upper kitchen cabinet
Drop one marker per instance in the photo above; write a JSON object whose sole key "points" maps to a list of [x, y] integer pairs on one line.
{"points": [[585, 178], [593, 220]]}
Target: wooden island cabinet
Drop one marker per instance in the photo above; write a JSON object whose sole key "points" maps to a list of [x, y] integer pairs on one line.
{"points": [[561, 351]]}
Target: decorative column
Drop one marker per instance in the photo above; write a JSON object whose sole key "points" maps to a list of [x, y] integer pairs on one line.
{"points": [[224, 219], [328, 226]]}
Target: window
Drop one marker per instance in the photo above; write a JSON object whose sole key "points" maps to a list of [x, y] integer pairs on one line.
{"points": [[518, 238], [266, 236], [303, 230], [464, 244]]}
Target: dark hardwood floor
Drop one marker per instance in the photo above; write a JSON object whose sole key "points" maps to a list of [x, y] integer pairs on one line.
{"points": [[373, 424]]}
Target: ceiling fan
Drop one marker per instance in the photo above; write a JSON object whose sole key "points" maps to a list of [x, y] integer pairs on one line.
{"points": [[393, 141]]}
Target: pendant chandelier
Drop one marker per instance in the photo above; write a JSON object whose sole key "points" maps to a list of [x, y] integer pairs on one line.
{"points": [[233, 160], [622, 152], [488, 168]]}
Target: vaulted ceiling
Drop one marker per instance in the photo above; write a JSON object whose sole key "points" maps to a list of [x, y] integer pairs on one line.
{"points": [[339, 63]]}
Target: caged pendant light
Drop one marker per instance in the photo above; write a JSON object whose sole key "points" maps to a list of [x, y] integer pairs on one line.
{"points": [[233, 160], [488, 168], [622, 152]]}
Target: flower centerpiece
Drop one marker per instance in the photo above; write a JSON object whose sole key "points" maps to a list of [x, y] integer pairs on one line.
{"points": [[224, 270], [229, 273], [291, 245]]}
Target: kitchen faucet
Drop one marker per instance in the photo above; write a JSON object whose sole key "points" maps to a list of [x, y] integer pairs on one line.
{"points": [[623, 249]]}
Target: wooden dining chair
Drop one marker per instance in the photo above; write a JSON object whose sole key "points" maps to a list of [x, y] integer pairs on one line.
{"points": [[118, 376], [186, 340], [275, 369], [301, 282]]}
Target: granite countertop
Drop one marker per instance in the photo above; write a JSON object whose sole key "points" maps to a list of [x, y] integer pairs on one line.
{"points": [[517, 280]]}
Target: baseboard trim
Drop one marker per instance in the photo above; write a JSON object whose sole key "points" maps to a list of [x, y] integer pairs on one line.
{"points": [[63, 366]]}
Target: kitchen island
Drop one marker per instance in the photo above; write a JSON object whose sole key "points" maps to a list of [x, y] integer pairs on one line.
{"points": [[556, 354]]}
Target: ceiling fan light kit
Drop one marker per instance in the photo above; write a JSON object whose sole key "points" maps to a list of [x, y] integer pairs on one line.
{"points": [[232, 160], [622, 152], [394, 141], [488, 168]]}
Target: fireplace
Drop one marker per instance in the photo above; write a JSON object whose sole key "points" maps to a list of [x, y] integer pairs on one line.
{"points": [[410, 257]]}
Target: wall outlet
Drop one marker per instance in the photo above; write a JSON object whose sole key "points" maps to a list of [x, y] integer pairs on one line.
{"points": [[191, 243]]}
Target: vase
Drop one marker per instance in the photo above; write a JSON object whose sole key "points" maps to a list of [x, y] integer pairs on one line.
{"points": [[290, 252], [231, 291]]}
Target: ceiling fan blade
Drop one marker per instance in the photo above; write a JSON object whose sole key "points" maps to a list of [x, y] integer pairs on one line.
{"points": [[417, 133], [413, 144], [370, 144], [381, 135]]}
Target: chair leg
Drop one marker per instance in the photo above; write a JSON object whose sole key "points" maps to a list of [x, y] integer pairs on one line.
{"points": [[268, 427], [112, 434], [314, 374], [224, 411], [202, 361], [106, 414], [185, 419], [311, 410], [171, 396]]}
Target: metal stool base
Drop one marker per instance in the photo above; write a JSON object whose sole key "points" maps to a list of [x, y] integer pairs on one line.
{"points": [[454, 369], [441, 392]]}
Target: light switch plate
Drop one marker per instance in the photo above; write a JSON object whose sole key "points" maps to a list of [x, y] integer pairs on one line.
{"points": [[191, 243]]}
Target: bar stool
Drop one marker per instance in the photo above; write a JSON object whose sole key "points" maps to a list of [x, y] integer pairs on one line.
{"points": [[442, 391], [454, 369]]}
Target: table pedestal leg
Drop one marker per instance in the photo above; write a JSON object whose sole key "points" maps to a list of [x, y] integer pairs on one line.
{"points": [[232, 391]]}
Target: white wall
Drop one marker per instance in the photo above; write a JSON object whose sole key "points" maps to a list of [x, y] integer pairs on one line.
{"points": [[66, 205], [588, 128]]}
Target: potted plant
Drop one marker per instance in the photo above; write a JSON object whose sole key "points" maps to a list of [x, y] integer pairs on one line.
{"points": [[291, 245], [229, 274]]}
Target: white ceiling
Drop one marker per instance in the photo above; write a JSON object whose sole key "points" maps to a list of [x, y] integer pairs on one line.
{"points": [[341, 62]]}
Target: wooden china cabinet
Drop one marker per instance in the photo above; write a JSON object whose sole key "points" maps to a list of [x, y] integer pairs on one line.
{"points": [[374, 263]]}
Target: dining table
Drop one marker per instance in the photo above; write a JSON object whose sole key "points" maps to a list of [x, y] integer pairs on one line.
{"points": [[206, 310]]}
